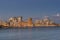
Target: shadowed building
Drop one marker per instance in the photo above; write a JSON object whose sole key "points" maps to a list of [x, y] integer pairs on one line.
{"points": [[30, 23]]}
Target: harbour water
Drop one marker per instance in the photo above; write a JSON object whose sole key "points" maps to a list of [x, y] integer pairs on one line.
{"points": [[30, 34]]}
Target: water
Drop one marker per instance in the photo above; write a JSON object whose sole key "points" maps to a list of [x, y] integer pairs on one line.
{"points": [[30, 34]]}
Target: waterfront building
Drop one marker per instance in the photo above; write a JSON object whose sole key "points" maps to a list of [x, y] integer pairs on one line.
{"points": [[19, 19], [24, 24], [41, 22], [13, 21], [46, 21], [29, 22], [37, 23]]}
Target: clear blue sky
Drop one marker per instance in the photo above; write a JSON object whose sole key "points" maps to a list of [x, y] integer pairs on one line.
{"points": [[28, 8]]}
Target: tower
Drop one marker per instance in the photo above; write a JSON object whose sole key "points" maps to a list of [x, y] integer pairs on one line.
{"points": [[29, 20], [19, 19], [30, 23]]}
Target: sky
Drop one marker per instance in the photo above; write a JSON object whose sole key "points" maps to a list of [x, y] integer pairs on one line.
{"points": [[28, 8]]}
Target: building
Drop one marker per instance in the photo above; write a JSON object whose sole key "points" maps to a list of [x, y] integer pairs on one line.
{"points": [[13, 22], [19, 19], [29, 22]]}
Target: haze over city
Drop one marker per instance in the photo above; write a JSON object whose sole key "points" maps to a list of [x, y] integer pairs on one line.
{"points": [[29, 8]]}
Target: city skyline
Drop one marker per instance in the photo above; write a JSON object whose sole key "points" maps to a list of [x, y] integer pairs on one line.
{"points": [[29, 19], [29, 23], [28, 8]]}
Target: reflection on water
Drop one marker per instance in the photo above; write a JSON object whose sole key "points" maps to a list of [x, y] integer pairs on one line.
{"points": [[30, 34]]}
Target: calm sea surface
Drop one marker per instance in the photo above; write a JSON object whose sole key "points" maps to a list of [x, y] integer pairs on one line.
{"points": [[30, 34]]}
